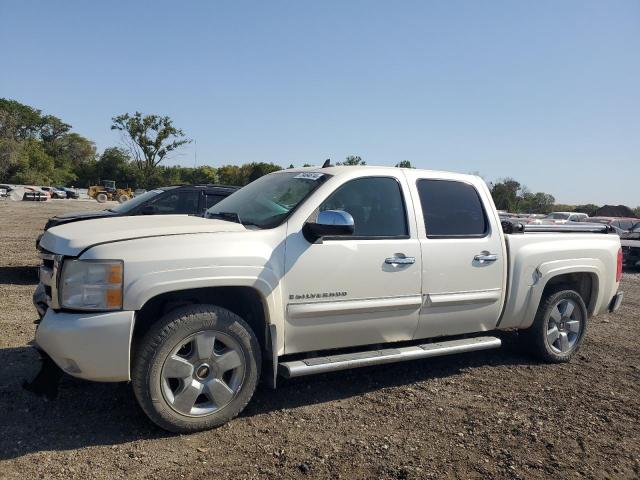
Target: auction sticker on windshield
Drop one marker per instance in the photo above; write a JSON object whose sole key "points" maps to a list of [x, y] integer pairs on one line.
{"points": [[309, 175]]}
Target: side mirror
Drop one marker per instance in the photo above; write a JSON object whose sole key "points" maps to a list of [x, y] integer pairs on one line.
{"points": [[148, 210], [329, 223]]}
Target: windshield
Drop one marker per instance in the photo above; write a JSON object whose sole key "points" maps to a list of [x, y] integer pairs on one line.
{"points": [[269, 200], [129, 205]]}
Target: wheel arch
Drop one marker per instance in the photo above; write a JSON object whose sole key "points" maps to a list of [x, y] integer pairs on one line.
{"points": [[584, 283], [581, 275], [247, 302]]}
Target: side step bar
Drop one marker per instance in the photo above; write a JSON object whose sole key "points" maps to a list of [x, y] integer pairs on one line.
{"points": [[333, 363]]}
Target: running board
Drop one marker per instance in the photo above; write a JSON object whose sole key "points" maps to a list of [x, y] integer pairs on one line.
{"points": [[333, 363]]}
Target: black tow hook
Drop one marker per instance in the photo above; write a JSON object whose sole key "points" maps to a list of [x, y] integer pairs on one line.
{"points": [[46, 382]]}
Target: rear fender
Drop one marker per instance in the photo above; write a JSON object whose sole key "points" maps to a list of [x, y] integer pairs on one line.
{"points": [[524, 301]]}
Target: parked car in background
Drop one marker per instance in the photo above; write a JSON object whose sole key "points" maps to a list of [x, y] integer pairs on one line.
{"points": [[4, 191], [54, 192], [560, 218], [180, 199], [138, 192], [70, 192], [631, 246], [621, 224], [34, 194]]}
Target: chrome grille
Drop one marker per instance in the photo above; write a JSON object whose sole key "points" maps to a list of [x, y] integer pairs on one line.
{"points": [[49, 273]]}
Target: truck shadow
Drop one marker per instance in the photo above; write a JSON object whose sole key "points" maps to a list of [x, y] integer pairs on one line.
{"points": [[94, 414], [19, 275]]}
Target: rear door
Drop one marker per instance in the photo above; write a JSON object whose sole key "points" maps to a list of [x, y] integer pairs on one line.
{"points": [[211, 198], [177, 201], [463, 256]]}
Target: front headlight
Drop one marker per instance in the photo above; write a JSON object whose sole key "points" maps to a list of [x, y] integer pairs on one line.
{"points": [[91, 284]]}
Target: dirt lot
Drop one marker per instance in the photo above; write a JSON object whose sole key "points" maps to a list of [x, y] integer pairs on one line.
{"points": [[496, 414]]}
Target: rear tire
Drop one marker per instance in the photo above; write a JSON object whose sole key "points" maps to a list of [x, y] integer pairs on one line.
{"points": [[101, 197], [196, 368], [559, 327]]}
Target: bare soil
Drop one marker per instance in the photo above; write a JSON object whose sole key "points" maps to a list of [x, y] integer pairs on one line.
{"points": [[495, 414]]}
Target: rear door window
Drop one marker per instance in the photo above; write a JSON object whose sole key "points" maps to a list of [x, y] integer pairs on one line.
{"points": [[212, 199], [177, 202], [451, 209]]}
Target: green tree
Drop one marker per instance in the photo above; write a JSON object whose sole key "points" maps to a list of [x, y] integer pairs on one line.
{"points": [[149, 138], [230, 175], [203, 175], [255, 170], [352, 160], [589, 209], [34, 167], [52, 128], [18, 121], [404, 164], [536, 203], [505, 194], [9, 157], [115, 164]]}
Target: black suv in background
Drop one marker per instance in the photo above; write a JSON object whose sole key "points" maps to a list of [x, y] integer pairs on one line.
{"points": [[181, 199]]}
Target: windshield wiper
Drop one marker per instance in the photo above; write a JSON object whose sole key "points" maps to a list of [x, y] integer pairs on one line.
{"points": [[228, 216]]}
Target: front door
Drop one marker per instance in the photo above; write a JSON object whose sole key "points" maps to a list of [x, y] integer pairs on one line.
{"points": [[360, 289]]}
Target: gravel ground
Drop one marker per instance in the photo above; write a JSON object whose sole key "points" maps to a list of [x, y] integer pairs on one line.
{"points": [[495, 414]]}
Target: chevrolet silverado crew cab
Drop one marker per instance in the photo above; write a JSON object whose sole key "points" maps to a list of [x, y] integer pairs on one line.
{"points": [[307, 271]]}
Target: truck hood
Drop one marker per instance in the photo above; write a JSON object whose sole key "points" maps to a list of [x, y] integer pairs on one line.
{"points": [[72, 238]]}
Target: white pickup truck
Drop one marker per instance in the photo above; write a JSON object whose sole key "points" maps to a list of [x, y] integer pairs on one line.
{"points": [[307, 271]]}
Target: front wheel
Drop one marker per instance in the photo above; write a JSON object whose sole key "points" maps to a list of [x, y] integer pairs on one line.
{"points": [[559, 327], [101, 197], [196, 369]]}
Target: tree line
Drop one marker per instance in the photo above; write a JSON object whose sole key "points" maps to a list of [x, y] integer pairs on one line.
{"points": [[41, 149]]}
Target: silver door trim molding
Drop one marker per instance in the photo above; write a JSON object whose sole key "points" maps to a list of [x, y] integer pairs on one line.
{"points": [[348, 307], [463, 298]]}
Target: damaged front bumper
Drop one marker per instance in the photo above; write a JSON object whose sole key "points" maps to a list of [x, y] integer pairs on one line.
{"points": [[91, 346]]}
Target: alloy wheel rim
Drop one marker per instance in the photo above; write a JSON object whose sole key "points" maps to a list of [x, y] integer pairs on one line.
{"points": [[203, 373], [564, 326]]}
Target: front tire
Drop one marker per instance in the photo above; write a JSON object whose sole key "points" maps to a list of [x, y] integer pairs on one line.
{"points": [[123, 198], [101, 197], [559, 327], [196, 368]]}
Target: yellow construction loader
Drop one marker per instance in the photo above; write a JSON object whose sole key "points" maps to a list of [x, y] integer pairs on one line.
{"points": [[108, 191]]}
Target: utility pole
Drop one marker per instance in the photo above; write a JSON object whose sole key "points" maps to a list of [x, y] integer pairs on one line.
{"points": [[195, 153]]}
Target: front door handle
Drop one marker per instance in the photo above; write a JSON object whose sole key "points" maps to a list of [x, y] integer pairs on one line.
{"points": [[485, 257], [400, 260]]}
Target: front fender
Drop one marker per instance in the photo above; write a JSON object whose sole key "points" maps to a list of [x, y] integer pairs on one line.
{"points": [[147, 286]]}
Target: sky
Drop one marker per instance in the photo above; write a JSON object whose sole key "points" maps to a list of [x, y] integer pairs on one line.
{"points": [[546, 92]]}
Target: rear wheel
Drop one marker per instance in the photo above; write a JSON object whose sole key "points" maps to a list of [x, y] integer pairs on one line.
{"points": [[101, 197], [196, 369], [559, 327]]}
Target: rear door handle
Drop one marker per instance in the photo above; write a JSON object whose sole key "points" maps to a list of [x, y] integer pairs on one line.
{"points": [[400, 260], [485, 257]]}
